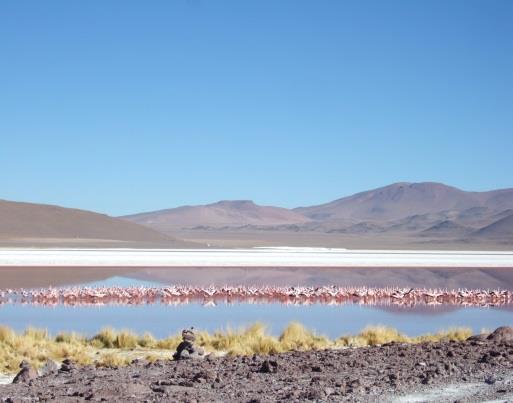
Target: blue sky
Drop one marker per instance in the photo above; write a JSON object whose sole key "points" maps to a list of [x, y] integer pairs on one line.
{"points": [[127, 106]]}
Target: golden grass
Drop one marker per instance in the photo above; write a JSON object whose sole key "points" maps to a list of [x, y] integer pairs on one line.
{"points": [[112, 348], [112, 360], [376, 335], [297, 337]]}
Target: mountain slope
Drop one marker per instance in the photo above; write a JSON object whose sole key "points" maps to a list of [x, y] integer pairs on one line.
{"points": [[29, 220], [501, 230], [446, 228], [400, 200], [221, 214]]}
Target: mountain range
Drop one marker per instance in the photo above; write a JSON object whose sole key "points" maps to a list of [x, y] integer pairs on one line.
{"points": [[426, 211], [423, 215]]}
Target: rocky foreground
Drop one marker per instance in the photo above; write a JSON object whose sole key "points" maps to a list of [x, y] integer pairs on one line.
{"points": [[478, 369]]}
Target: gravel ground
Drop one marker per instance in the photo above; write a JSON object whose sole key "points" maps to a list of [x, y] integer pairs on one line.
{"points": [[469, 371]]}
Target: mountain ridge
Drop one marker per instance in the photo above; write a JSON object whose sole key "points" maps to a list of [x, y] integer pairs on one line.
{"points": [[403, 208]]}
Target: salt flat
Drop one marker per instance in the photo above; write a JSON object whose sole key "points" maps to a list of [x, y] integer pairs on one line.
{"points": [[256, 257]]}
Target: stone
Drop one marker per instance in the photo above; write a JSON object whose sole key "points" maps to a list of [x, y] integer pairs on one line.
{"points": [[203, 376], [50, 367], [490, 380], [26, 374], [503, 334], [186, 349], [269, 367], [67, 365], [478, 337]]}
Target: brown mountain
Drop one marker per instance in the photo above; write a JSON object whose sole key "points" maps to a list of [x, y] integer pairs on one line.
{"points": [[401, 200], [226, 213], [19, 221]]}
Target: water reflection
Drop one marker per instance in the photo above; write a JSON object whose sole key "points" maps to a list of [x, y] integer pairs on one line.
{"points": [[162, 320]]}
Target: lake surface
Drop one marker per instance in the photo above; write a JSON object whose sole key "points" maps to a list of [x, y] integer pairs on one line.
{"points": [[162, 320]]}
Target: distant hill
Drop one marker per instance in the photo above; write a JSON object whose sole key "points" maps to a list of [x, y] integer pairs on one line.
{"points": [[426, 214], [401, 200], [39, 221], [221, 214]]}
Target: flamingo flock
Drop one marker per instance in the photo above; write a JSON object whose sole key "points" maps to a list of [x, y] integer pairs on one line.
{"points": [[211, 295]]}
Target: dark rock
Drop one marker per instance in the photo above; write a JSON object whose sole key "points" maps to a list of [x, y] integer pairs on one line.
{"points": [[67, 365], [184, 350], [478, 337], [204, 376], [490, 380], [269, 367], [158, 389], [315, 393], [26, 374]]}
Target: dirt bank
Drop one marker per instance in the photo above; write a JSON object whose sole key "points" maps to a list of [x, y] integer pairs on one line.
{"points": [[468, 371]]}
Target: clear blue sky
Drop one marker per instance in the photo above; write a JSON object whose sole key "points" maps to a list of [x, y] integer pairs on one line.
{"points": [[126, 106]]}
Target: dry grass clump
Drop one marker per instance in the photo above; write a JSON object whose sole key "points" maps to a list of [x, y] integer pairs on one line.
{"points": [[104, 339], [152, 357], [147, 341], [70, 338], [80, 354], [29, 346], [112, 348], [126, 339], [112, 360], [297, 337], [109, 338], [7, 335], [244, 341], [456, 334], [169, 343], [377, 335], [372, 336]]}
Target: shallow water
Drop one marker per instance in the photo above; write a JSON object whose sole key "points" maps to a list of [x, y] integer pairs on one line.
{"points": [[332, 320]]}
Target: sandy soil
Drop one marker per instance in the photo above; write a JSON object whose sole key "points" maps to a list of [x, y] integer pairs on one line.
{"points": [[468, 371], [250, 238]]}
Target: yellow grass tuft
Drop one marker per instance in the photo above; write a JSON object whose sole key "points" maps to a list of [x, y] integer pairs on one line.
{"points": [[126, 339], [105, 339], [152, 357], [7, 335], [169, 343], [456, 334], [70, 338], [112, 360], [297, 337], [147, 341], [36, 334]]}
